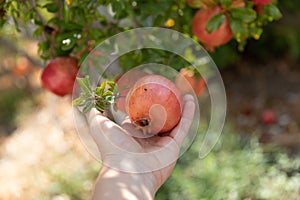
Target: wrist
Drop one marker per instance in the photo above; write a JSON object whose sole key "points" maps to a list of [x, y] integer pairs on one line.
{"points": [[114, 184]]}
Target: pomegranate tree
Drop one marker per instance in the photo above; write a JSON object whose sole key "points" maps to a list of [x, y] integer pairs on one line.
{"points": [[154, 104]]}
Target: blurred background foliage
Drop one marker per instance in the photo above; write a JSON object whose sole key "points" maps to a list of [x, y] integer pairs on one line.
{"points": [[239, 167]]}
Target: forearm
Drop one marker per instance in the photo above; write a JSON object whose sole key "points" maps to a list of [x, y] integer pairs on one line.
{"points": [[113, 184]]}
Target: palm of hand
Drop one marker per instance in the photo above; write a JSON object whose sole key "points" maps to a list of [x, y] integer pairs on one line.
{"points": [[155, 156]]}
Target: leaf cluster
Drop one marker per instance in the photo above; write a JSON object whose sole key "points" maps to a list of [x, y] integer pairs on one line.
{"points": [[101, 98]]}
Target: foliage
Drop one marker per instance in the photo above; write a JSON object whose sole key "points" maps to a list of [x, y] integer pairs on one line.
{"points": [[157, 56], [74, 27], [102, 97]]}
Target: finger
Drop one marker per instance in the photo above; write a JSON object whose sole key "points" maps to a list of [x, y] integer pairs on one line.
{"points": [[160, 143], [118, 115], [94, 117], [181, 130], [187, 98], [148, 143], [133, 130], [92, 114], [108, 135]]}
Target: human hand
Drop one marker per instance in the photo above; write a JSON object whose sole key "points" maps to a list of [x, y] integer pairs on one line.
{"points": [[137, 161]]}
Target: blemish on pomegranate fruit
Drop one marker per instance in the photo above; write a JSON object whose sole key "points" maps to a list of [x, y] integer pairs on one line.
{"points": [[145, 89], [142, 122]]}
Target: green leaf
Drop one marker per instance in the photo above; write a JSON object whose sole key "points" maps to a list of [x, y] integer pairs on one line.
{"points": [[101, 97], [43, 46], [66, 26], [112, 84], [256, 32], [82, 57], [110, 99], [38, 22], [272, 11], [38, 32], [103, 84], [246, 15], [87, 108], [2, 22], [85, 84], [78, 102], [215, 22], [226, 3], [66, 12], [67, 41], [100, 107], [107, 93], [54, 20], [67, 44], [119, 8], [51, 7], [99, 91], [239, 30]]}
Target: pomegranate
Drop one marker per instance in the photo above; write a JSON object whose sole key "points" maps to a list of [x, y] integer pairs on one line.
{"points": [[22, 67], [216, 38], [186, 81], [268, 117], [124, 83], [262, 2], [59, 75], [154, 104]]}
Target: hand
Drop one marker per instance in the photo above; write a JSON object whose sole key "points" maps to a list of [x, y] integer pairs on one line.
{"points": [[142, 165]]}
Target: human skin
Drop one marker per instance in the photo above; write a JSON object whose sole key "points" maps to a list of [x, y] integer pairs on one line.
{"points": [[145, 173]]}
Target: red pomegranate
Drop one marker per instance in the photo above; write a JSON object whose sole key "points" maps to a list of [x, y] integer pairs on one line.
{"points": [[59, 75], [186, 82], [154, 104], [125, 83], [262, 2], [216, 38], [268, 117]]}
